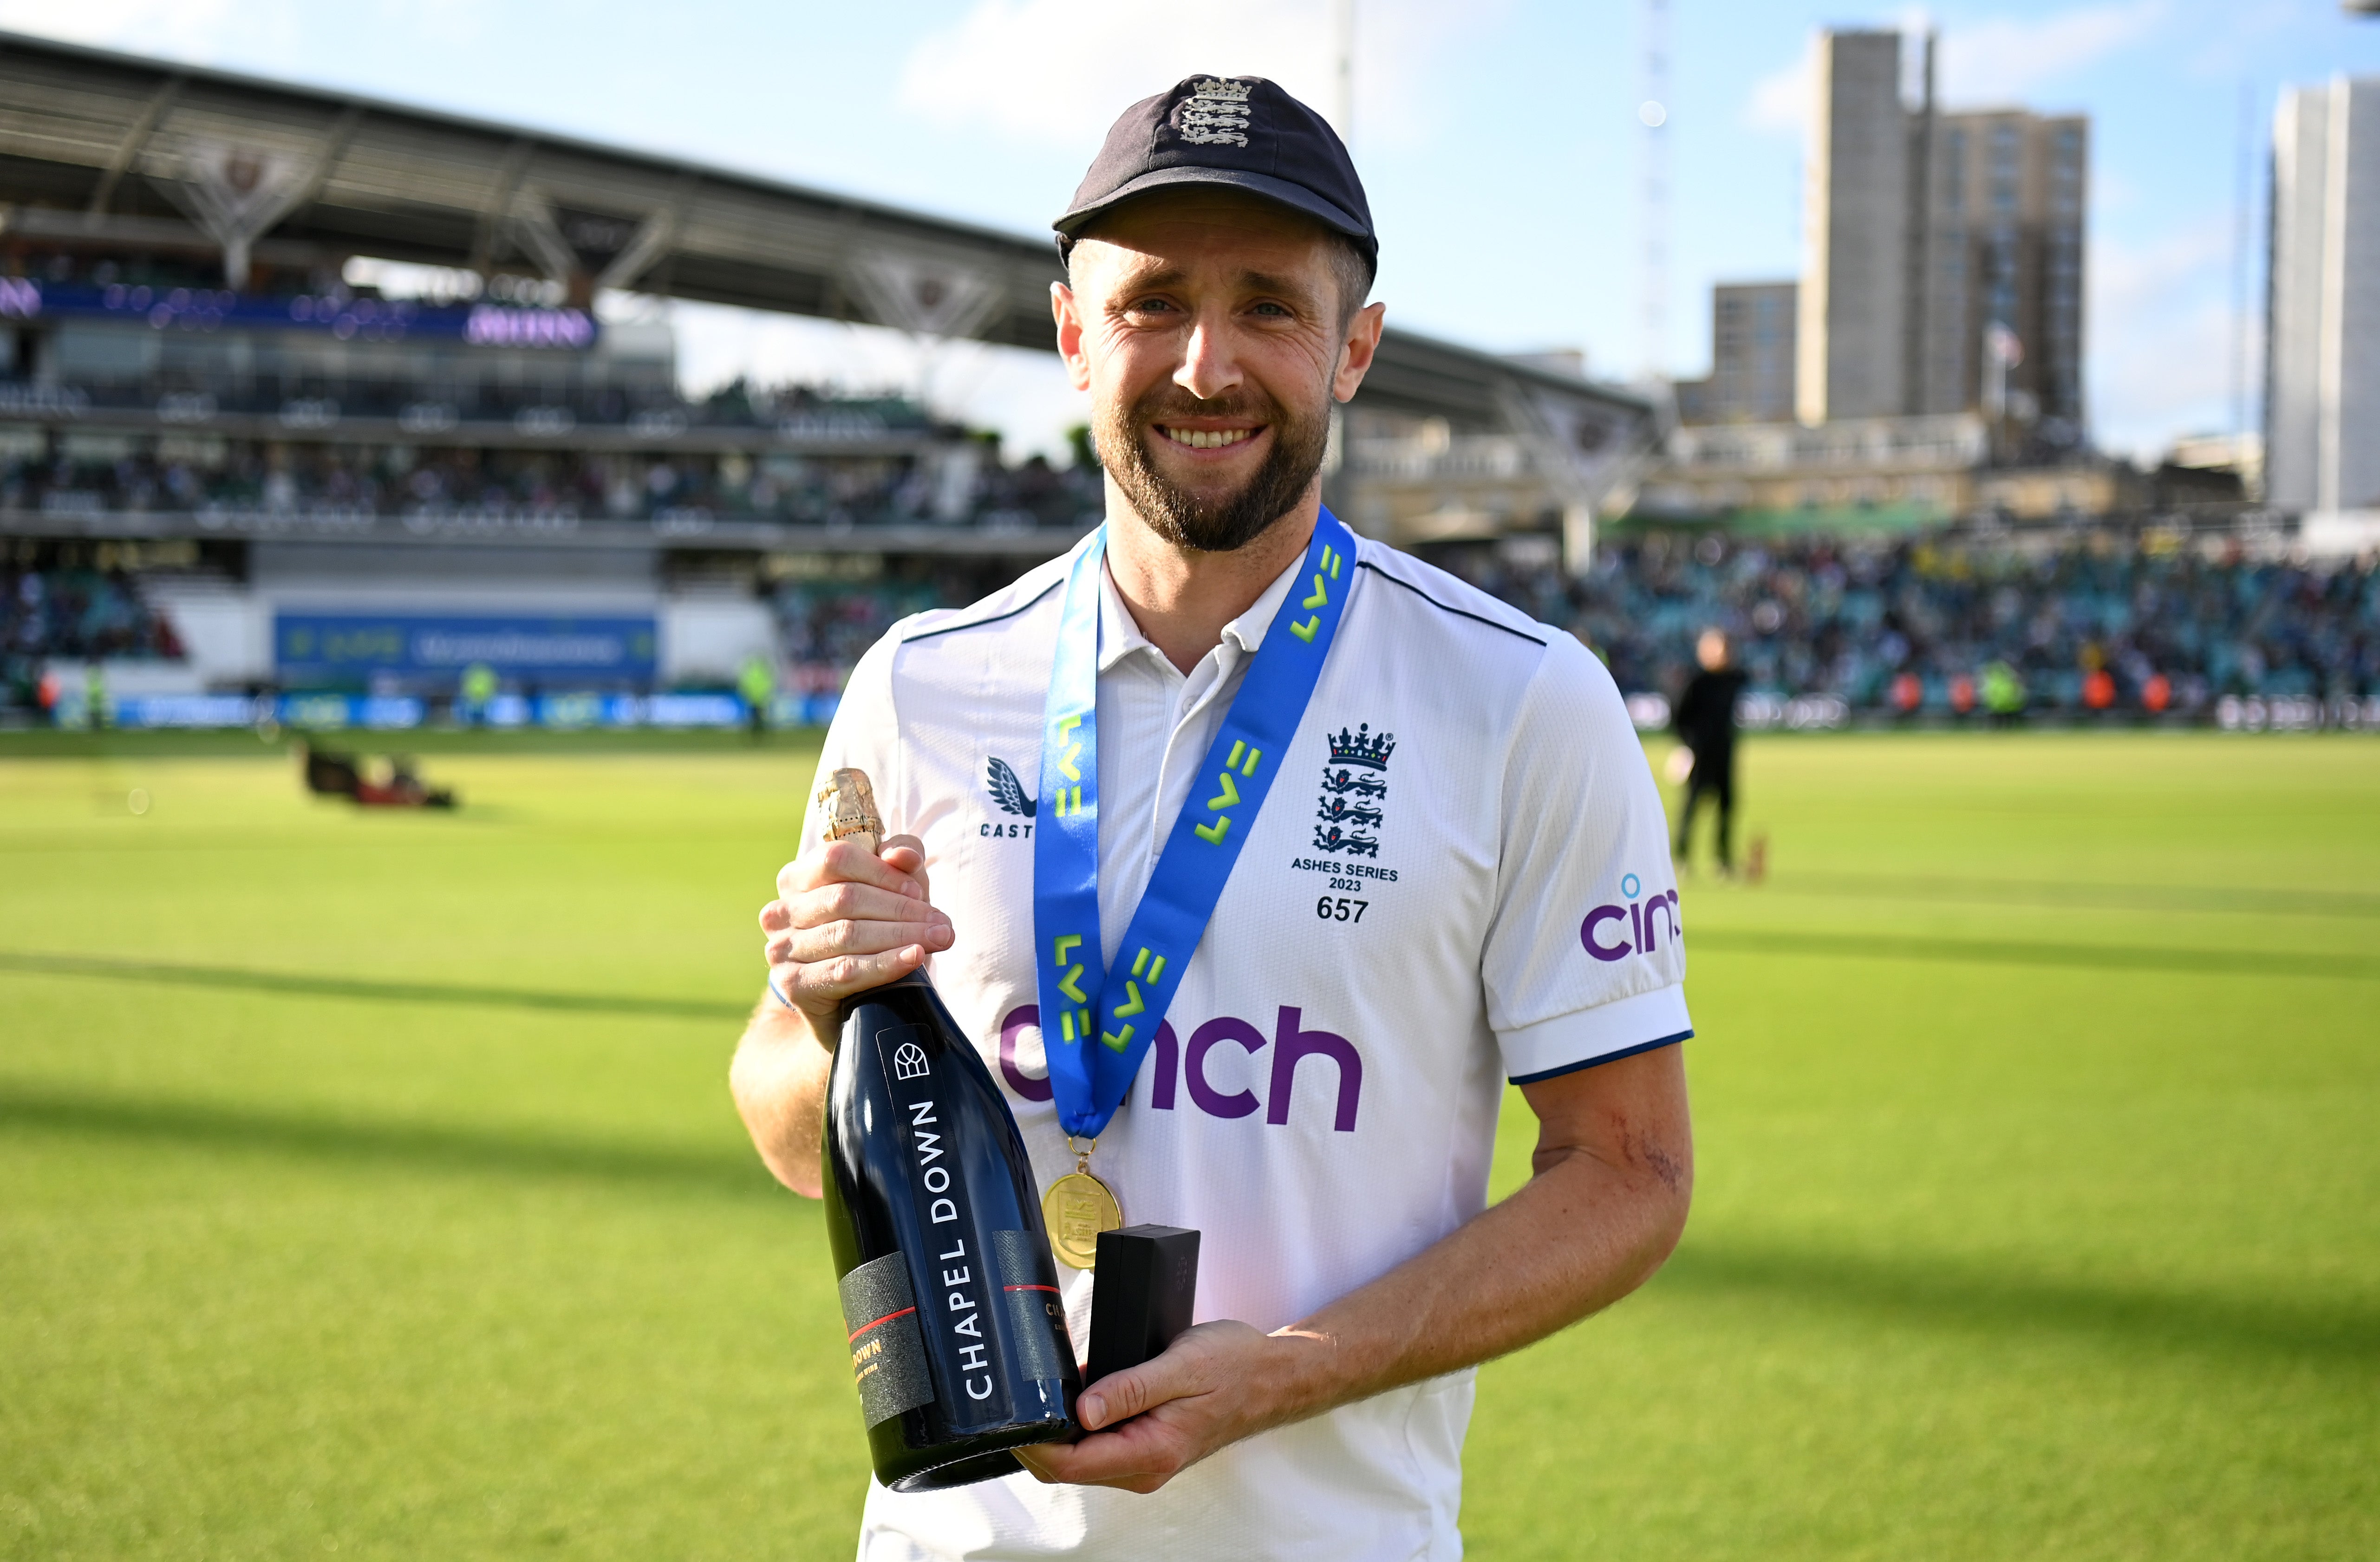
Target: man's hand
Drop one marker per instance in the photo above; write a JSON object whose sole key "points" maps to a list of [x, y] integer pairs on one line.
{"points": [[844, 920], [1614, 1174], [1213, 1385]]}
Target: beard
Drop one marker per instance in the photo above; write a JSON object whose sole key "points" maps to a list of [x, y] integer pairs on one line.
{"points": [[1230, 522]]}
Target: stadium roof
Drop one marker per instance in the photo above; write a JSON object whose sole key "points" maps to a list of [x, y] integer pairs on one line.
{"points": [[116, 150]]}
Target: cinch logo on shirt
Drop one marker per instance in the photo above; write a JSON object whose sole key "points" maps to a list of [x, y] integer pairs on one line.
{"points": [[1601, 938], [1174, 1066]]}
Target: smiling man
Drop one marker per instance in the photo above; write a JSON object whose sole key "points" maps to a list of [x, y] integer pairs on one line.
{"points": [[1281, 1014]]}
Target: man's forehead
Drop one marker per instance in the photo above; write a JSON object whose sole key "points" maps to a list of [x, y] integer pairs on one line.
{"points": [[1181, 226]]}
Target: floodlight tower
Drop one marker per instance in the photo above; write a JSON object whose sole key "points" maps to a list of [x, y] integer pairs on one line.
{"points": [[2243, 199], [1653, 116], [1342, 37]]}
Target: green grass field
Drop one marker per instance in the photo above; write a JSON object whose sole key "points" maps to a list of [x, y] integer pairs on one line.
{"points": [[368, 1184]]}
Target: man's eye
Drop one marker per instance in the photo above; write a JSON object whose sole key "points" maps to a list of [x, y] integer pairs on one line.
{"points": [[1273, 310], [1149, 307]]}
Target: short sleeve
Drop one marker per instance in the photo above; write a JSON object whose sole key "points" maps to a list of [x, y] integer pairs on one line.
{"points": [[864, 735], [1583, 959]]}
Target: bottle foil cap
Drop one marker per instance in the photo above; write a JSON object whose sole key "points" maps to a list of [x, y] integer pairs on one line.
{"points": [[851, 808]]}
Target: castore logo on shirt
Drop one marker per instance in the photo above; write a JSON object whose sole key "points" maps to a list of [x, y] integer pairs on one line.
{"points": [[1645, 933], [1000, 781], [1172, 1067]]}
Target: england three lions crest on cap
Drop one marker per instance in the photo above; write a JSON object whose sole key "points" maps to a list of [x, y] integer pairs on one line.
{"points": [[1216, 113], [1354, 789]]}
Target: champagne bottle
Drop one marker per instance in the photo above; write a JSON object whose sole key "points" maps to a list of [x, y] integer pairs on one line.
{"points": [[958, 1339]]}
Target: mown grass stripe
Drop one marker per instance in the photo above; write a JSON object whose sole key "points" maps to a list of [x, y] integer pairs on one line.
{"points": [[1925, 1290], [2058, 894], [2011, 952], [292, 983], [408, 1147]]}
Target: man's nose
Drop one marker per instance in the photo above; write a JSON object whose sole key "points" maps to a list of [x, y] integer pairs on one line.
{"points": [[1209, 368]]}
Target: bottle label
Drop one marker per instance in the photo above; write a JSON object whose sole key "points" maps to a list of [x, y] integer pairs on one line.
{"points": [[888, 1358], [960, 1283], [1036, 1313]]}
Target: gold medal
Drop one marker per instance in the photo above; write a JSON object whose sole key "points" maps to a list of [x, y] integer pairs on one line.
{"points": [[1078, 1207]]}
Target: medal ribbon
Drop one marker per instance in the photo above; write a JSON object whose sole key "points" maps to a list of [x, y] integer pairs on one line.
{"points": [[1096, 1028]]}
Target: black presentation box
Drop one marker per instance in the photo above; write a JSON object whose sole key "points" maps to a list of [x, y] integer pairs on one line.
{"points": [[1147, 1280]]}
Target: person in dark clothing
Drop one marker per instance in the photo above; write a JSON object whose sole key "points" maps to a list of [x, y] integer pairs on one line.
{"points": [[1705, 724]]}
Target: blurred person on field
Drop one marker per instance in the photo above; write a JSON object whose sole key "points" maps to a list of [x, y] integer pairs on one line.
{"points": [[2003, 692], [1705, 725], [757, 683], [479, 690]]}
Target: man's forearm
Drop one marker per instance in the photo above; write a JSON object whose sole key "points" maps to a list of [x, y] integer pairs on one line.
{"points": [[778, 1080], [1579, 1236], [1614, 1175]]}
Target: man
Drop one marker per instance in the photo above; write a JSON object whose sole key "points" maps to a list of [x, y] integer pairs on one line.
{"points": [[757, 683], [1705, 724], [478, 689], [1461, 877], [2004, 692]]}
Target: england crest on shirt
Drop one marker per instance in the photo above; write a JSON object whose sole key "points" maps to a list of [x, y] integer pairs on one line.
{"points": [[1354, 793]]}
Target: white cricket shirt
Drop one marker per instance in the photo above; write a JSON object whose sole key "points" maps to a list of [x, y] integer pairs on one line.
{"points": [[1461, 875]]}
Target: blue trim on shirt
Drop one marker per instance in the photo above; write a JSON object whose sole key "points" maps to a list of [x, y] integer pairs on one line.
{"points": [[1446, 607], [980, 622], [1602, 1057]]}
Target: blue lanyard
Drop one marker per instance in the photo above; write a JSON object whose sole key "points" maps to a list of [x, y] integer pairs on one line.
{"points": [[1078, 1000]]}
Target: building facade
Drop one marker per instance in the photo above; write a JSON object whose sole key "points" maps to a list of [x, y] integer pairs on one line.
{"points": [[2322, 342], [1855, 233], [1944, 253], [1752, 376]]}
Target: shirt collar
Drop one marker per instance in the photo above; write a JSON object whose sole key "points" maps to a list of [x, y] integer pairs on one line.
{"points": [[1120, 636]]}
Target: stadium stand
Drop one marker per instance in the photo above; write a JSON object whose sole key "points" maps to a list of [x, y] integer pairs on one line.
{"points": [[357, 398], [2103, 622], [242, 479]]}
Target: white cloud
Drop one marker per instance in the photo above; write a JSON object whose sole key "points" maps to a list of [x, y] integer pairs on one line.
{"points": [[1781, 101], [1056, 71], [190, 30], [2163, 342], [1993, 60], [2003, 58]]}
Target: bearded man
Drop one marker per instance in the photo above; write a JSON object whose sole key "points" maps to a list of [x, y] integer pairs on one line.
{"points": [[1479, 889]]}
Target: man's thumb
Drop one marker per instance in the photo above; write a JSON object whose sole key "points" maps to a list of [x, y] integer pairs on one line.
{"points": [[1119, 1396]]}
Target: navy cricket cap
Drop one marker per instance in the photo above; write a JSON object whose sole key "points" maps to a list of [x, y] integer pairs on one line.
{"points": [[1242, 132]]}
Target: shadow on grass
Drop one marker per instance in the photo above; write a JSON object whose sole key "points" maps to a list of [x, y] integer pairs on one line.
{"points": [[2072, 896], [2012, 951], [1914, 1291], [241, 743], [1948, 1294], [429, 1148], [297, 985]]}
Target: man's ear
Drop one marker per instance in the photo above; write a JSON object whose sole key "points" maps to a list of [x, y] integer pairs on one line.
{"points": [[1355, 353], [1070, 335]]}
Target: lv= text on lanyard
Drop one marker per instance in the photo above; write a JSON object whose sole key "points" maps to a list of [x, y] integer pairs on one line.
{"points": [[1097, 1025]]}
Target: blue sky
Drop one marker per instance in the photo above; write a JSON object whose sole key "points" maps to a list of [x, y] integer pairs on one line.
{"points": [[1499, 140]]}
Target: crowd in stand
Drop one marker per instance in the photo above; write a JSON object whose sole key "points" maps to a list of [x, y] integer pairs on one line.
{"points": [[2096, 621], [83, 614], [2103, 620], [217, 478], [76, 613]]}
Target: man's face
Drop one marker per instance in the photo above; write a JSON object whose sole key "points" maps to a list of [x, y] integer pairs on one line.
{"points": [[1208, 327], [1711, 652]]}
